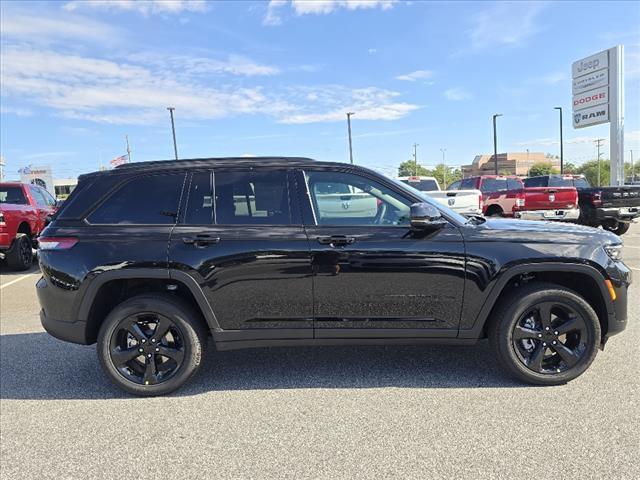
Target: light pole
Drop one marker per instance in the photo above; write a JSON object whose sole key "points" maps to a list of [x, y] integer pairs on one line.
{"points": [[495, 141], [349, 127], [561, 142], [415, 158], [633, 170], [444, 168], [599, 144], [173, 129]]}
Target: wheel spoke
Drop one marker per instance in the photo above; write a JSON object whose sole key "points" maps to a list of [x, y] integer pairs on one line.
{"points": [[122, 356], [572, 323], [520, 333], [544, 313], [535, 360], [136, 331], [176, 354], [150, 371], [162, 327], [569, 356]]}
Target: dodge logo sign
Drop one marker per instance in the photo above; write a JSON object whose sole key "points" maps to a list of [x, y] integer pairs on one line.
{"points": [[552, 197]]}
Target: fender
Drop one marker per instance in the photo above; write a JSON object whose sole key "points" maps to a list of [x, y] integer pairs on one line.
{"points": [[512, 272], [156, 273]]}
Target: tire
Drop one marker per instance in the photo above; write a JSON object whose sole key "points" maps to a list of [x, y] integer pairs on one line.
{"points": [[181, 347], [621, 229], [520, 316], [20, 256]]}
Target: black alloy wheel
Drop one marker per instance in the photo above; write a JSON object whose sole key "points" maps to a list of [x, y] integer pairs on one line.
{"points": [[550, 337], [147, 348]]}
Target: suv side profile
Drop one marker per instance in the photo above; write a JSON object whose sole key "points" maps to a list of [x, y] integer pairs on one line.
{"points": [[150, 259]]}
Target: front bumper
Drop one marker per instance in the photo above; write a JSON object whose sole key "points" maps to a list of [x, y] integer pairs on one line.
{"points": [[560, 214], [620, 276], [621, 214]]}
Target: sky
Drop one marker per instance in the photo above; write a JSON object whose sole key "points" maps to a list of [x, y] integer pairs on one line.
{"points": [[277, 78]]}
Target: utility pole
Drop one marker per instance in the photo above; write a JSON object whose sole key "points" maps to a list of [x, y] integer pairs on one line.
{"points": [[415, 158], [495, 141], [561, 142], [599, 142], [350, 144], [173, 129], [126, 137], [444, 169], [633, 171]]}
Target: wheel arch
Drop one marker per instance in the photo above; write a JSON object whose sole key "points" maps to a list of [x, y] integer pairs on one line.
{"points": [[585, 280], [108, 289], [25, 228]]}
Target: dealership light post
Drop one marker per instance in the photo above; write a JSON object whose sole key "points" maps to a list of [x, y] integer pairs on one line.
{"points": [[415, 158], [173, 129], [444, 168], [561, 142], [349, 127], [495, 141]]}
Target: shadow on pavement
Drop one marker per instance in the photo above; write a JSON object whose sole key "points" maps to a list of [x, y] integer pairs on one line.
{"points": [[37, 366]]}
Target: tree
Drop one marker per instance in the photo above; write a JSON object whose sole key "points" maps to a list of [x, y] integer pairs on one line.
{"points": [[542, 168], [570, 168], [408, 169], [453, 175], [590, 171]]}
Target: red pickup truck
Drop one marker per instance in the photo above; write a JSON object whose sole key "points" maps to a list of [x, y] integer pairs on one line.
{"points": [[24, 212], [506, 196]]}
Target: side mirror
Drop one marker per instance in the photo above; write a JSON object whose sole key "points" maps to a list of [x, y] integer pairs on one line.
{"points": [[425, 216]]}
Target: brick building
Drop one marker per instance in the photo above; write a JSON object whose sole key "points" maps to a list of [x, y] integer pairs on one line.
{"points": [[510, 163]]}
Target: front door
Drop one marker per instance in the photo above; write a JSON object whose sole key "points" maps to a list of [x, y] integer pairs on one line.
{"points": [[241, 238], [372, 276]]}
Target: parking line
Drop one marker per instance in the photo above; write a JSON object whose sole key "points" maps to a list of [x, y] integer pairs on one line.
{"points": [[16, 280], [631, 246]]}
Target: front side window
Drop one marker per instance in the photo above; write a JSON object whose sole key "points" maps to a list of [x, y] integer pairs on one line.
{"points": [[341, 198], [38, 197], [251, 198], [145, 200]]}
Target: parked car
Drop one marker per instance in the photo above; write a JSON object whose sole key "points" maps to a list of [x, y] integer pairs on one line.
{"points": [[149, 259], [506, 196], [24, 212], [465, 202], [613, 208]]}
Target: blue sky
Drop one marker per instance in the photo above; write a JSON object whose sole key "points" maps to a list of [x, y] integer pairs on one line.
{"points": [[276, 78]]}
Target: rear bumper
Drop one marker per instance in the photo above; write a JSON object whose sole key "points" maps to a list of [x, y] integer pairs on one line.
{"points": [[467, 211], [560, 214], [622, 214], [75, 332], [54, 316]]}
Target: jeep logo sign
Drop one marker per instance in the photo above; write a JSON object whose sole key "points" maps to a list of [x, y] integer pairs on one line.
{"points": [[590, 64], [591, 116]]}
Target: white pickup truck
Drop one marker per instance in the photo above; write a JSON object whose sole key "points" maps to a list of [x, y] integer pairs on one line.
{"points": [[465, 202]]}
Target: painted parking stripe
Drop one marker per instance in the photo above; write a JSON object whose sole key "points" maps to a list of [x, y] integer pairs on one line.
{"points": [[16, 280]]}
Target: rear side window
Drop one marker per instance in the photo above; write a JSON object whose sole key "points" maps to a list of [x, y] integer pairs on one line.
{"points": [[493, 184], [199, 202], [148, 200], [251, 198], [13, 195]]}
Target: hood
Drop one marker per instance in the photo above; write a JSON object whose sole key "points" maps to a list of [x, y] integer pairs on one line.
{"points": [[522, 231]]}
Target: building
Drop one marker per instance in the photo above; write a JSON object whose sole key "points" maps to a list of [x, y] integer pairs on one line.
{"points": [[64, 186], [510, 163], [41, 176]]}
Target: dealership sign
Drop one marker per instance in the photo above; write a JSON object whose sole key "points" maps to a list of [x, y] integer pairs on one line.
{"points": [[591, 98], [591, 116]]}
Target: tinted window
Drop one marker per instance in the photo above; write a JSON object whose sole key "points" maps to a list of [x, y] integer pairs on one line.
{"points": [[468, 184], [513, 184], [13, 195], [581, 182], [562, 181], [424, 185], [248, 198], [199, 203], [357, 201], [148, 200], [48, 198], [535, 182], [493, 184], [454, 185], [37, 196]]}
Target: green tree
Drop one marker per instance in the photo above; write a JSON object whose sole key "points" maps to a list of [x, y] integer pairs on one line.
{"points": [[570, 168], [542, 168], [408, 169], [590, 171], [453, 175]]}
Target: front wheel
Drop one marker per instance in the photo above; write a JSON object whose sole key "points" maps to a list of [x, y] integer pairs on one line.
{"points": [[619, 228], [545, 334], [151, 344]]}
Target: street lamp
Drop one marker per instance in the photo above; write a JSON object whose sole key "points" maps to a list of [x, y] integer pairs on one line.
{"points": [[349, 127], [173, 129], [415, 158], [561, 142], [495, 141], [444, 168]]}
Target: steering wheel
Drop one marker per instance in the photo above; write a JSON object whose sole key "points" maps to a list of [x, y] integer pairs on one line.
{"points": [[380, 214]]}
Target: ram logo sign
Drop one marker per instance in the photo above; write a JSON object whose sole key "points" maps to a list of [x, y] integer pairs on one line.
{"points": [[591, 116]]}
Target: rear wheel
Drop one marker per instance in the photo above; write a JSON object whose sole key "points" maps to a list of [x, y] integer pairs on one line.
{"points": [[151, 344], [619, 228], [20, 256], [545, 334]]}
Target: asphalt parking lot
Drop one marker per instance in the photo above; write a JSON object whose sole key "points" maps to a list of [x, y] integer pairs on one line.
{"points": [[338, 412]]}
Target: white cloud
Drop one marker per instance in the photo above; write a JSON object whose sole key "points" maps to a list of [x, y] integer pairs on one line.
{"points": [[457, 94], [138, 90], [273, 17], [320, 7], [372, 51], [633, 137], [145, 7], [505, 23], [20, 112], [417, 75]]}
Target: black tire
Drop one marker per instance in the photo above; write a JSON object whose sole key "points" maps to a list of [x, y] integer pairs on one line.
{"points": [[184, 344], [520, 316], [621, 229], [20, 256]]}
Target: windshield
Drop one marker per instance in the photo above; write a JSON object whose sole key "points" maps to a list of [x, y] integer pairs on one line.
{"points": [[424, 196], [424, 185]]}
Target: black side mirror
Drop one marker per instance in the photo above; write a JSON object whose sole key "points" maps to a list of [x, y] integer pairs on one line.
{"points": [[425, 216]]}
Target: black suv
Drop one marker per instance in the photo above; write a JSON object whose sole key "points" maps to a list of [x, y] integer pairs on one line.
{"points": [[150, 259]]}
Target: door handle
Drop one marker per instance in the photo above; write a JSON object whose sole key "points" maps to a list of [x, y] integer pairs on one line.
{"points": [[336, 240], [201, 241]]}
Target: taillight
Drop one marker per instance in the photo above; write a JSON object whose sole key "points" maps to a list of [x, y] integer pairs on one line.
{"points": [[2, 224], [56, 243], [520, 200], [596, 198]]}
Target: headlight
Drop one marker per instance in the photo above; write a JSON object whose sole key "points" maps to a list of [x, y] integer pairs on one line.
{"points": [[614, 251]]}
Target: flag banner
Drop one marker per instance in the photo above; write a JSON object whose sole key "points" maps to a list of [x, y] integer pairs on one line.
{"points": [[118, 160]]}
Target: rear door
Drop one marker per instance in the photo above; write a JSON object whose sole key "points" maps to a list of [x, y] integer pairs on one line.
{"points": [[240, 237]]}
